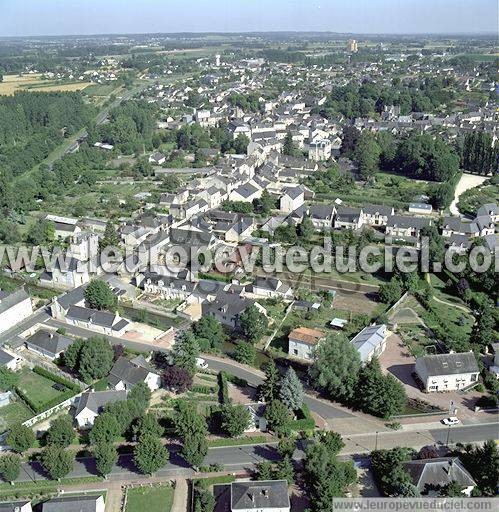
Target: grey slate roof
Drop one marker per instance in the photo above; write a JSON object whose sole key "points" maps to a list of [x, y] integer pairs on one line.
{"points": [[12, 506], [450, 364], [372, 209], [97, 400], [259, 495], [130, 372], [49, 341], [407, 222], [5, 357], [71, 504], [9, 300], [438, 472]]}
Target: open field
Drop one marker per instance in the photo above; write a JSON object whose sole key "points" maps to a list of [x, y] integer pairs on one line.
{"points": [[39, 389], [157, 498], [13, 83], [15, 412]]}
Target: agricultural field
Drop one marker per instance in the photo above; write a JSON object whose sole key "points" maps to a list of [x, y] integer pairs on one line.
{"points": [[35, 82], [156, 498]]}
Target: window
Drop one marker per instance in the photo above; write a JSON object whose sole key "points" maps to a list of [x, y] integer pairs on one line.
{"points": [[295, 352]]}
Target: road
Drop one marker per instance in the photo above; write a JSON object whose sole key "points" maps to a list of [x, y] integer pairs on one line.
{"points": [[237, 458]]}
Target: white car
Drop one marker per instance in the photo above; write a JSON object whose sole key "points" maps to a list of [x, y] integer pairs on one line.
{"points": [[201, 363], [450, 421]]}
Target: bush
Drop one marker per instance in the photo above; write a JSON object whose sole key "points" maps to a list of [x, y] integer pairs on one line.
{"points": [[223, 388]]}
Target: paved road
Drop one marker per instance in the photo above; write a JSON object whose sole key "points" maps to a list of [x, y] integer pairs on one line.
{"points": [[236, 458]]}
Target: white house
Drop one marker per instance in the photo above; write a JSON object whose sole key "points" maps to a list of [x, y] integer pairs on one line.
{"points": [[263, 496], [376, 215], [14, 308], [8, 360], [293, 198], [447, 372], [49, 344], [348, 218], [420, 208], [16, 506], [75, 504], [126, 373], [320, 150], [270, 287], [370, 342], [92, 403], [258, 423], [302, 342]]}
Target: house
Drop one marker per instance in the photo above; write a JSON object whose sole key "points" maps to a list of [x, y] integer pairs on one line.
{"points": [[376, 215], [420, 208], [68, 274], [430, 475], [486, 225], [166, 287], [400, 226], [126, 373], [226, 308], [457, 226], [370, 342], [9, 361], [320, 150], [263, 496], [49, 344], [75, 504], [270, 287], [14, 308], [491, 210], [157, 158], [447, 372], [240, 230], [302, 342], [64, 226], [293, 198], [92, 403], [16, 506], [348, 218], [338, 323], [258, 421], [321, 216]]}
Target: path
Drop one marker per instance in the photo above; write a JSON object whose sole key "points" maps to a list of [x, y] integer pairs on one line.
{"points": [[466, 182], [462, 308], [181, 496]]}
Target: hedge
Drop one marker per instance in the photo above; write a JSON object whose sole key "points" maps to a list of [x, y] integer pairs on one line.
{"points": [[306, 422], [57, 378], [204, 390], [223, 388]]}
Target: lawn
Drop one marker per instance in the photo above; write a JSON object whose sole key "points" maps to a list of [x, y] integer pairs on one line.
{"points": [[156, 498], [37, 388], [15, 412]]}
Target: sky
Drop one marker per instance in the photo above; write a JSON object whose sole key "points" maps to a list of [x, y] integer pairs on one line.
{"points": [[78, 17]]}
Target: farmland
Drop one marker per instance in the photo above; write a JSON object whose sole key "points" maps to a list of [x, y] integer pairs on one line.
{"points": [[35, 81]]}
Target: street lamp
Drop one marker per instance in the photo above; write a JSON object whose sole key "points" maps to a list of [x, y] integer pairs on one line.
{"points": [[376, 442]]}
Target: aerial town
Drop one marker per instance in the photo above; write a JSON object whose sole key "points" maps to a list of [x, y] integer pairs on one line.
{"points": [[247, 272]]}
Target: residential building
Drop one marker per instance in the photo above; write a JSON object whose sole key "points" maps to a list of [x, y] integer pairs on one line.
{"points": [[302, 342], [447, 372], [92, 403], [376, 215], [9, 361], [420, 208], [49, 344], [370, 342], [16, 506], [400, 226], [293, 198], [348, 218], [320, 150], [226, 308], [126, 373], [75, 504], [321, 216], [263, 496], [431, 475], [14, 308], [270, 287]]}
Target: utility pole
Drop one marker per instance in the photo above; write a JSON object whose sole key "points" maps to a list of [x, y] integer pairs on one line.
{"points": [[376, 441], [448, 434]]}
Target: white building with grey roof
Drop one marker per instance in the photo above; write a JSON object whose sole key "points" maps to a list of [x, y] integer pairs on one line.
{"points": [[14, 308], [92, 403], [370, 342], [447, 372], [264, 496]]}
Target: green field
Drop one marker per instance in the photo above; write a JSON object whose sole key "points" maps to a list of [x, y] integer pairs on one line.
{"points": [[156, 498], [15, 412], [37, 388], [100, 89]]}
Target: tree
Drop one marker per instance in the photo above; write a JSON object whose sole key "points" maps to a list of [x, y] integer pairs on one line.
{"points": [[147, 425], [42, 232], [390, 292], [285, 471], [306, 228], [150, 454], [286, 447], [209, 333], [106, 429], [185, 351], [452, 490], [479, 155], [177, 379], [278, 417], [204, 501], [194, 449], [291, 390], [436, 244], [336, 367], [57, 462], [245, 353], [264, 204], [124, 411], [140, 394], [61, 432], [289, 147], [71, 356], [270, 386], [191, 428], [253, 323], [264, 471], [483, 464], [106, 457], [349, 140], [389, 470], [95, 359], [378, 394], [98, 295], [111, 237], [235, 419], [10, 467], [367, 154], [143, 167], [241, 144], [20, 438]]}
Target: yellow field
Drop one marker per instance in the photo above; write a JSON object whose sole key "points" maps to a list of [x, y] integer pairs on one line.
{"points": [[34, 82]]}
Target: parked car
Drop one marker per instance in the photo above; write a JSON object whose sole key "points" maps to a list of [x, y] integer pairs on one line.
{"points": [[452, 420], [201, 363]]}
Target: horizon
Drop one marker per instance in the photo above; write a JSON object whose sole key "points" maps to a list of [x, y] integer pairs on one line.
{"points": [[56, 18]]}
